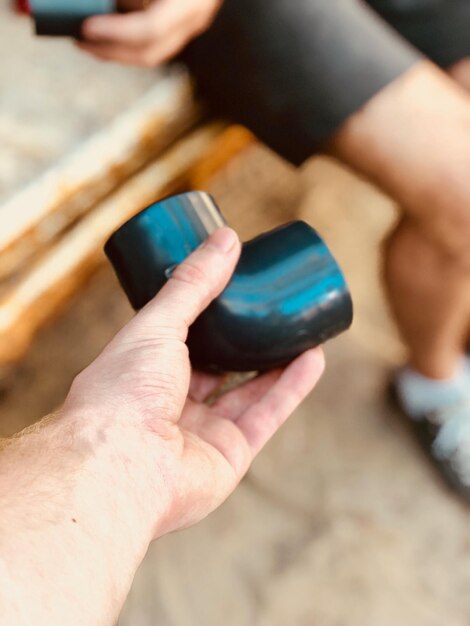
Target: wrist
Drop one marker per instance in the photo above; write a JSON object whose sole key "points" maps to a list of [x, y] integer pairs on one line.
{"points": [[82, 498], [126, 463]]}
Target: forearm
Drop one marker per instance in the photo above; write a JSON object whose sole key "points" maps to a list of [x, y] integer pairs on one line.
{"points": [[78, 505]]}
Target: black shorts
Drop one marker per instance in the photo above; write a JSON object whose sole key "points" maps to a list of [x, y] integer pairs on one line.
{"points": [[293, 71]]}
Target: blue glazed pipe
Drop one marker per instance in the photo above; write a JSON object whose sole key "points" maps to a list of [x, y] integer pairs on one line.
{"points": [[287, 293], [65, 17]]}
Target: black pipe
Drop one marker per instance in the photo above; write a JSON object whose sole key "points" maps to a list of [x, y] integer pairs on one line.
{"points": [[65, 17], [287, 294]]}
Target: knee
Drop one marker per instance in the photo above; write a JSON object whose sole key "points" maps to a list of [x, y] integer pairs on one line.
{"points": [[449, 234], [413, 249]]}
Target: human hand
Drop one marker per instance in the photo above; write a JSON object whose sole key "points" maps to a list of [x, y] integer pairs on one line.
{"points": [[148, 37], [144, 377]]}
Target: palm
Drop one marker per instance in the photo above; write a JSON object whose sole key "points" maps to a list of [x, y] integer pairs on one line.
{"points": [[213, 446], [203, 451]]}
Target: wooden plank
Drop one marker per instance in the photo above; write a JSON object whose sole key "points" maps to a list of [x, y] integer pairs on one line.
{"points": [[229, 145], [44, 289], [36, 216]]}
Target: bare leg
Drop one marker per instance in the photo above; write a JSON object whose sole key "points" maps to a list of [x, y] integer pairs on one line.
{"points": [[430, 298], [461, 73], [413, 139]]}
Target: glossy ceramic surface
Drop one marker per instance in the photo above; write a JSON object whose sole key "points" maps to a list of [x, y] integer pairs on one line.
{"points": [[65, 17], [287, 294]]}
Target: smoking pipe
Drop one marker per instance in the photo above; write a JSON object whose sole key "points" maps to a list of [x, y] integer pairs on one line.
{"points": [[287, 293], [64, 18]]}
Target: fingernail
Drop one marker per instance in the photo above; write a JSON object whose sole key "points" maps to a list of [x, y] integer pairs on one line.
{"points": [[224, 239]]}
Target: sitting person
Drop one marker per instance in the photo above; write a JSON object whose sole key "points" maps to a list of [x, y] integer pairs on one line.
{"points": [[366, 84]]}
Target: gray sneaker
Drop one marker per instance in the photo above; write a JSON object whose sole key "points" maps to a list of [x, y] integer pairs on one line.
{"points": [[444, 435]]}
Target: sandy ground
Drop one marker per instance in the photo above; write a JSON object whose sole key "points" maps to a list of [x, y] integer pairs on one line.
{"points": [[341, 521]]}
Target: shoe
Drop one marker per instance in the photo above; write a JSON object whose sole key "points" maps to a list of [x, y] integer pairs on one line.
{"points": [[444, 436]]}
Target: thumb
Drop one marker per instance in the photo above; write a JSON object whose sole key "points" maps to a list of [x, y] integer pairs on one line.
{"points": [[194, 283]]}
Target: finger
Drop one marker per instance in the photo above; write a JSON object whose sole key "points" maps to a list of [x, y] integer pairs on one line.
{"points": [[261, 421], [149, 55], [226, 438], [203, 385], [232, 404], [194, 284], [221, 434], [112, 52], [133, 29]]}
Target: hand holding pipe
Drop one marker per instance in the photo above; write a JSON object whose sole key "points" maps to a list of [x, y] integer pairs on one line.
{"points": [[287, 294], [65, 17]]}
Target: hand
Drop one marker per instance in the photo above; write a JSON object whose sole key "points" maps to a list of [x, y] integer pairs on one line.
{"points": [[149, 37], [144, 376]]}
